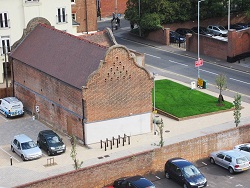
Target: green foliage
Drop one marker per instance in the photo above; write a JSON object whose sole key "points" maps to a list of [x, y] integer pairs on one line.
{"points": [[160, 126], [237, 108], [181, 101], [73, 154], [221, 82], [150, 21], [170, 11]]}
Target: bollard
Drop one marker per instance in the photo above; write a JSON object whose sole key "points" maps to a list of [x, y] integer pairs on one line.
{"points": [[117, 142], [119, 138], [101, 144], [113, 139], [123, 141], [125, 137], [111, 144], [128, 140], [10, 160], [105, 147], [107, 141]]}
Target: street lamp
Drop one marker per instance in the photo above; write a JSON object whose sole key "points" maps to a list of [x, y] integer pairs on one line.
{"points": [[155, 117], [199, 35], [228, 21], [139, 5]]}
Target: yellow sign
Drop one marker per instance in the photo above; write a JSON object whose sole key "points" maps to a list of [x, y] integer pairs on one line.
{"points": [[200, 82], [155, 111]]}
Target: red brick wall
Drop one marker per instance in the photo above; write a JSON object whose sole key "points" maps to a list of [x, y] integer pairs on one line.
{"points": [[109, 6], [60, 105], [161, 36], [119, 87], [80, 10], [150, 161]]}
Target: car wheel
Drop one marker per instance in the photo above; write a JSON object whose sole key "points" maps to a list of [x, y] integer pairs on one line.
{"points": [[212, 161], [185, 186], [6, 115], [231, 170], [167, 175], [12, 149], [22, 157], [49, 153]]}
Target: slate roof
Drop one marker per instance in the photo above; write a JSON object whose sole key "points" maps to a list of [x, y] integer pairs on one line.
{"points": [[66, 57]]}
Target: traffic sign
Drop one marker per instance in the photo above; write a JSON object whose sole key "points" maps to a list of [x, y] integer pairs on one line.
{"points": [[199, 63]]}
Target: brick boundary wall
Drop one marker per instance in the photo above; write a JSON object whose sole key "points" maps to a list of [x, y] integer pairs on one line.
{"points": [[146, 162]]}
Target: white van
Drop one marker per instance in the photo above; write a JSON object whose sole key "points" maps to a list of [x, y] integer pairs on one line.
{"points": [[11, 106]]}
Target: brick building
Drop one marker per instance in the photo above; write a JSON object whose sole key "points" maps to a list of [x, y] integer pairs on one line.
{"points": [[84, 12], [107, 7], [81, 87]]}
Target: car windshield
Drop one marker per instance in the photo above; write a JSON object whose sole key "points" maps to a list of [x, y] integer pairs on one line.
{"points": [[53, 139], [189, 171], [28, 145], [221, 28], [241, 160]]}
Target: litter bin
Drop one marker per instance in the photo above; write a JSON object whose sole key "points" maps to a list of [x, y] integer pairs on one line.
{"points": [[204, 84], [193, 85]]}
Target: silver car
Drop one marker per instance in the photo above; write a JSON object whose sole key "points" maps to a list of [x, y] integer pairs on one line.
{"points": [[244, 149], [25, 147], [232, 160], [218, 30]]}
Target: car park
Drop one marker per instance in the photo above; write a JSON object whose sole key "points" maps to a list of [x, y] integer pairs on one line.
{"points": [[133, 182], [218, 30], [203, 31], [244, 149], [25, 147], [185, 173], [50, 142], [11, 107], [176, 37], [183, 31], [231, 160]]}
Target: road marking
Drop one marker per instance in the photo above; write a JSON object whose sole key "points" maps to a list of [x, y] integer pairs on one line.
{"points": [[152, 56], [239, 81], [238, 185], [9, 154], [184, 55], [178, 63], [204, 163], [158, 177], [208, 72]]}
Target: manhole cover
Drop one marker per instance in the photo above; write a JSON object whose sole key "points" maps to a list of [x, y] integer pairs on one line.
{"points": [[167, 131]]}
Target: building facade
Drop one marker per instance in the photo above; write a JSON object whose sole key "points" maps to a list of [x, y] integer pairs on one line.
{"points": [[93, 92], [16, 15]]}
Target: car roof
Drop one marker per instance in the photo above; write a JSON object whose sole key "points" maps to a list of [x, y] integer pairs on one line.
{"points": [[180, 162], [11, 100], [47, 132], [22, 138], [139, 181], [233, 153]]}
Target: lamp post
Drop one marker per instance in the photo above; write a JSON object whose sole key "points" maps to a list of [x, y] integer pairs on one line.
{"points": [[199, 35], [154, 74], [139, 6], [228, 21]]}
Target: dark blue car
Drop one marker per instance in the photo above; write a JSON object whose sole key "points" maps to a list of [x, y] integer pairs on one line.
{"points": [[176, 37], [185, 173], [133, 182]]}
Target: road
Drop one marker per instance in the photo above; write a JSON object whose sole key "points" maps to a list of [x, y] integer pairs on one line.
{"points": [[181, 67]]}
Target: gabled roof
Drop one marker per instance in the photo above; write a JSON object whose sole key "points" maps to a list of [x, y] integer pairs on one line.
{"points": [[66, 57]]}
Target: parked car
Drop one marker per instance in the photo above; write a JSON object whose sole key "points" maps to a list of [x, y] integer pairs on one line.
{"points": [[11, 107], [185, 173], [203, 31], [133, 182], [244, 149], [237, 26], [183, 31], [176, 37], [232, 160], [49, 141], [218, 30], [25, 147]]}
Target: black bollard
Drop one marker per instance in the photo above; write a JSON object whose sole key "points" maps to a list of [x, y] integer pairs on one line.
{"points": [[113, 139], [11, 160], [107, 141], [105, 147], [117, 142], [101, 144], [128, 140], [111, 144]]}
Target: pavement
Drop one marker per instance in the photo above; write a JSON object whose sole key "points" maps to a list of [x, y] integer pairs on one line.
{"points": [[174, 131]]}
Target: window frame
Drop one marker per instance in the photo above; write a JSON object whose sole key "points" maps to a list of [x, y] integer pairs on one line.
{"points": [[5, 39], [61, 15], [4, 20]]}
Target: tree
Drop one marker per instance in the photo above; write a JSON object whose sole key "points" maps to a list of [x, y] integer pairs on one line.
{"points": [[221, 82], [73, 154], [237, 108], [160, 126]]}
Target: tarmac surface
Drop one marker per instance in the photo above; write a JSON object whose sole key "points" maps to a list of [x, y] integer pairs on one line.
{"points": [[174, 131]]}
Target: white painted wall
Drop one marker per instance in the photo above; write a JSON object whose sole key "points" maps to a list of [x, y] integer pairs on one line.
{"points": [[131, 125], [21, 12]]}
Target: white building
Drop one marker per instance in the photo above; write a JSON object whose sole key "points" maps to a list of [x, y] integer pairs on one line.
{"points": [[16, 14]]}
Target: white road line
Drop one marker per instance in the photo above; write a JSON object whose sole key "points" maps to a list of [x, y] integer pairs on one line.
{"points": [[239, 81], [9, 154], [178, 63], [152, 56], [204, 163], [208, 72], [158, 177]]}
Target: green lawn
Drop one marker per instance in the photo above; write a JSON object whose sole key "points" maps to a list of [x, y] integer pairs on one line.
{"points": [[182, 101]]}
